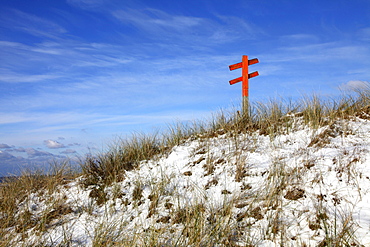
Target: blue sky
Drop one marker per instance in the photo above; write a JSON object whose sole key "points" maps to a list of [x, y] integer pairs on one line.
{"points": [[75, 75]]}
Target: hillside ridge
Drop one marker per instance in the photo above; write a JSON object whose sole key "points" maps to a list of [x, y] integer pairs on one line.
{"points": [[283, 181]]}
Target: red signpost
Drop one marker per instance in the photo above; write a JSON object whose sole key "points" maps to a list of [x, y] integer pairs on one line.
{"points": [[244, 78]]}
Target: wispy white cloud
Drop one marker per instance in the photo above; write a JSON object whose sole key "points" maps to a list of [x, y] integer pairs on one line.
{"points": [[364, 34], [33, 153], [69, 87], [154, 20], [164, 26], [299, 38], [69, 151], [332, 52], [88, 4], [66, 53], [53, 144], [15, 78], [8, 44], [355, 85], [31, 24], [232, 28], [74, 144], [160, 24], [312, 66], [13, 117]]}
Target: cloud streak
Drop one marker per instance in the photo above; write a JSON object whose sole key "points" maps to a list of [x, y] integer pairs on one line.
{"points": [[68, 151], [189, 29], [154, 20], [355, 85], [31, 24], [53, 144]]}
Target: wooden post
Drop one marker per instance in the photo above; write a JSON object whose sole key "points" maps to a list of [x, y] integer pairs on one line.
{"points": [[245, 87], [245, 80]]}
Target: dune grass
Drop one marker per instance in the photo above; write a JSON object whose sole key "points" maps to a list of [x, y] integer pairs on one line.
{"points": [[270, 118]]}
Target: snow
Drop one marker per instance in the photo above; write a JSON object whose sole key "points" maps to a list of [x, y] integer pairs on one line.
{"points": [[330, 180]]}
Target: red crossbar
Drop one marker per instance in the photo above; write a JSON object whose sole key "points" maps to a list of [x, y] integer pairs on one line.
{"points": [[245, 75]]}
